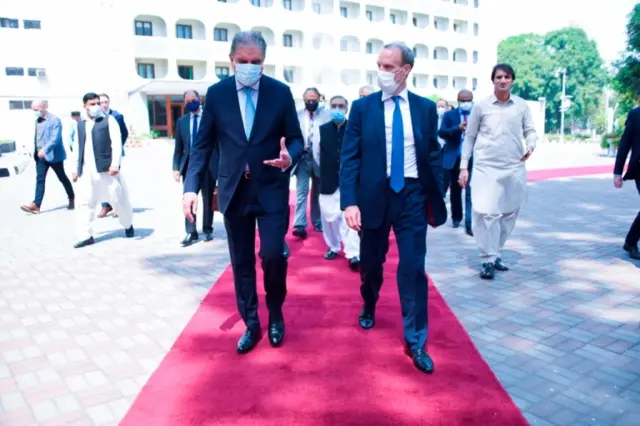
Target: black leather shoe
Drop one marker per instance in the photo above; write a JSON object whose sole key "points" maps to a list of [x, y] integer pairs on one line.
{"points": [[89, 241], [249, 340], [499, 266], [276, 333], [330, 255], [488, 271], [468, 230], [456, 224], [208, 236], [354, 264], [367, 318], [421, 359], [189, 239], [633, 251], [286, 252], [129, 232], [300, 233]]}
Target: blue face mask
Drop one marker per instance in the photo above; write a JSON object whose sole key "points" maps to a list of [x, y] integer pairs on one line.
{"points": [[193, 106], [248, 74], [337, 115]]}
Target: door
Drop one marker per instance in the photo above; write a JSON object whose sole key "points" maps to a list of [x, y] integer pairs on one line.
{"points": [[177, 111]]}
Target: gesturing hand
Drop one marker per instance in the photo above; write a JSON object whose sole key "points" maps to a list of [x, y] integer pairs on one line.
{"points": [[284, 160]]}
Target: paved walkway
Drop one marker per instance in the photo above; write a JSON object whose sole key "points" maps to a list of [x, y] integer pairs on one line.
{"points": [[82, 330]]}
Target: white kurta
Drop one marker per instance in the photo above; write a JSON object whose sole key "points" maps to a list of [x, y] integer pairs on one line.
{"points": [[494, 137]]}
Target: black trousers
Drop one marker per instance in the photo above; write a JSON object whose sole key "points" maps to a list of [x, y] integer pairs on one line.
{"points": [[240, 223], [42, 167], [207, 188], [634, 232]]}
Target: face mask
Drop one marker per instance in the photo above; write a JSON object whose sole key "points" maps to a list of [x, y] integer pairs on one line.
{"points": [[321, 105], [193, 106], [387, 81], [441, 110], [38, 114], [248, 74], [311, 106], [466, 106], [337, 115], [95, 110]]}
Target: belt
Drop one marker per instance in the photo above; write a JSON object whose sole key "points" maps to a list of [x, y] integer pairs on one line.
{"points": [[246, 175]]}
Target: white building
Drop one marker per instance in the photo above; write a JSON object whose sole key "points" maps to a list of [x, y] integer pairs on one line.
{"points": [[146, 53]]}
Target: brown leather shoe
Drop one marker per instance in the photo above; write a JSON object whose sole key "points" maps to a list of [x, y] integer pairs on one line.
{"points": [[105, 211], [72, 204], [30, 208]]}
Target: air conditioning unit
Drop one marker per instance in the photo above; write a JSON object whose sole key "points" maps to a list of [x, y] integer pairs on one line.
{"points": [[41, 73]]}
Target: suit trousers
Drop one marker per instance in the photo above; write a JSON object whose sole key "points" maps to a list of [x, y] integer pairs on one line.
{"points": [[451, 177], [305, 172], [634, 232], [207, 188], [240, 220], [405, 212]]}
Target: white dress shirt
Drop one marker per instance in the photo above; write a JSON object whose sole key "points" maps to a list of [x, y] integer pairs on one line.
{"points": [[410, 162]]}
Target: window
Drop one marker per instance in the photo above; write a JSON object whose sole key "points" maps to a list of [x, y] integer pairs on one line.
{"points": [[415, 51], [435, 82], [317, 8], [144, 28], [220, 34], [222, 72], [369, 47], [369, 79], [19, 104], [475, 57], [289, 75], [476, 3], [474, 84], [476, 29], [32, 72], [286, 4], [184, 31], [393, 18], [222, 1], [343, 11], [185, 72], [14, 71], [147, 70], [415, 21], [31, 25], [255, 3], [287, 40], [9, 23], [456, 27], [369, 15], [343, 45]]}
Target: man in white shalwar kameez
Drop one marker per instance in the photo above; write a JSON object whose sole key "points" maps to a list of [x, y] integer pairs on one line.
{"points": [[98, 156], [494, 137], [327, 145]]}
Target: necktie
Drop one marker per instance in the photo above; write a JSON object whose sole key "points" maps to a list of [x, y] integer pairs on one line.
{"points": [[464, 117], [397, 148], [310, 133], [194, 130], [249, 112]]}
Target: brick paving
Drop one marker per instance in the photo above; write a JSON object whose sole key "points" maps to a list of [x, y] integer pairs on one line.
{"points": [[82, 330]]}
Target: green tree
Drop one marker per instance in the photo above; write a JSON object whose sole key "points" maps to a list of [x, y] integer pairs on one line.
{"points": [[537, 59], [627, 70]]}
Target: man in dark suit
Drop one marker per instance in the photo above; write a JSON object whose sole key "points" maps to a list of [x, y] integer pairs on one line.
{"points": [[630, 142], [105, 104], [252, 120], [185, 134], [391, 176], [452, 128]]}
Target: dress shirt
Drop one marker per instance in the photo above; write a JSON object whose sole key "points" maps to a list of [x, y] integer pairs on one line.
{"points": [[410, 162]]}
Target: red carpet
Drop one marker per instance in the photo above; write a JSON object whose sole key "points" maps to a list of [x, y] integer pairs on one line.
{"points": [[534, 175], [329, 371]]}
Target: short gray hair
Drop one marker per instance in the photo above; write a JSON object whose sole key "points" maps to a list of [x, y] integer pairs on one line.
{"points": [[368, 86], [408, 57], [249, 38]]}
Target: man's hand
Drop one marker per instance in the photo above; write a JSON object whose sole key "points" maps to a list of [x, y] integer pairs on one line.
{"points": [[41, 153], [176, 175], [113, 171], [463, 178], [284, 160], [463, 126], [527, 154], [617, 181], [74, 176], [190, 205], [352, 216]]}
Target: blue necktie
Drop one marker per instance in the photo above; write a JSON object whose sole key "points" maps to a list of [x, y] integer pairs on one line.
{"points": [[397, 149], [194, 131], [249, 112]]}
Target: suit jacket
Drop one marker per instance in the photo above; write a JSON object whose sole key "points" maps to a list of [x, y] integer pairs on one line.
{"points": [[630, 142], [221, 127], [322, 116], [363, 168], [52, 144], [124, 132], [182, 148], [452, 135]]}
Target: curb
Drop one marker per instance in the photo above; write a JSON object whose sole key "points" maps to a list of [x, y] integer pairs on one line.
{"points": [[14, 169]]}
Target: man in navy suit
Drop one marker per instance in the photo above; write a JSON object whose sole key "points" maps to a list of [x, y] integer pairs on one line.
{"points": [[252, 120], [452, 128], [630, 142], [391, 176]]}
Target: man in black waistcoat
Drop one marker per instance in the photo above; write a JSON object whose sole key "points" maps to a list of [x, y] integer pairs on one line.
{"points": [[98, 170], [326, 152]]}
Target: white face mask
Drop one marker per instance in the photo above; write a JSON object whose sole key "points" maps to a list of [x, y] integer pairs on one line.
{"points": [[248, 74], [94, 110], [466, 106], [441, 110], [387, 81], [38, 114]]}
